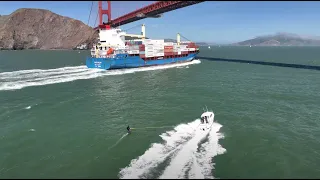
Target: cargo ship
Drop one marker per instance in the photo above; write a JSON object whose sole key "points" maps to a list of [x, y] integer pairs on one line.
{"points": [[114, 51]]}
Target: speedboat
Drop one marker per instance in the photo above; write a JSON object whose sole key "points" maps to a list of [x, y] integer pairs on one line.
{"points": [[207, 119]]}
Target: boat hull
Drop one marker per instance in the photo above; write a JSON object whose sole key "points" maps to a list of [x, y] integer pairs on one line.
{"points": [[133, 62]]}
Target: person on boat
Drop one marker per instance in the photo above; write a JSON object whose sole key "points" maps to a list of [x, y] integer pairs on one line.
{"points": [[128, 129], [202, 120], [206, 118]]}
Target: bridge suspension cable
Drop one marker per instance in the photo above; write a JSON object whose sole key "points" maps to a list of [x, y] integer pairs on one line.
{"points": [[90, 13], [133, 27]]}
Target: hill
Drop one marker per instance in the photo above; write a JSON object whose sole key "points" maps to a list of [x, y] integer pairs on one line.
{"points": [[42, 29], [281, 39]]}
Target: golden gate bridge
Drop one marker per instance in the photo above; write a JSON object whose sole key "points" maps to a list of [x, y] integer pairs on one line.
{"points": [[153, 10]]}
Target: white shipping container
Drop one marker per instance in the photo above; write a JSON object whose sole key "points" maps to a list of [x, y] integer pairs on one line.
{"points": [[169, 43], [158, 49], [158, 40], [133, 52], [192, 49], [179, 52], [159, 54]]}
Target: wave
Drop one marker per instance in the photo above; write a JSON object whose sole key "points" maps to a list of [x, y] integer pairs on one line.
{"points": [[40, 77]]}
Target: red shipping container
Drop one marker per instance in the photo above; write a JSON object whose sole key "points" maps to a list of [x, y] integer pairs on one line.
{"points": [[168, 53], [168, 47], [184, 52]]}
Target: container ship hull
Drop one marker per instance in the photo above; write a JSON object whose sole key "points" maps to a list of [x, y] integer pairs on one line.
{"points": [[126, 61]]}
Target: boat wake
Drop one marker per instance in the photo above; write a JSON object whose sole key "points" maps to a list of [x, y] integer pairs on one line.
{"points": [[39, 77], [118, 141], [185, 153]]}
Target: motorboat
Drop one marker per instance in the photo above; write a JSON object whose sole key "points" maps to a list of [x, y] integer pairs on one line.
{"points": [[206, 121]]}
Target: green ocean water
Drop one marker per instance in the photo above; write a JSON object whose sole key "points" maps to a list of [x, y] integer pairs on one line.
{"points": [[58, 122]]}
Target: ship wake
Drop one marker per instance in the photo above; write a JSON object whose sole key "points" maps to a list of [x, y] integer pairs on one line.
{"points": [[39, 77], [185, 153]]}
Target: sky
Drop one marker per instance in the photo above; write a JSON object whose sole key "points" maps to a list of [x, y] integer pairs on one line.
{"points": [[209, 21]]}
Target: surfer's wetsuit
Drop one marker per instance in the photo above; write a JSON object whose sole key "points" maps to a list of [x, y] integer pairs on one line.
{"points": [[128, 129]]}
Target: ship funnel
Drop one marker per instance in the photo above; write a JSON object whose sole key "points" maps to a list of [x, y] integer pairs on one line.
{"points": [[143, 31], [178, 39]]}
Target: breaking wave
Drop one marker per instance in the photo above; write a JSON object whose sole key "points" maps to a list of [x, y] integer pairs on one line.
{"points": [[39, 77], [185, 153]]}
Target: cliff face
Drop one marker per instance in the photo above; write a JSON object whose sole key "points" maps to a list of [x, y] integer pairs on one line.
{"points": [[43, 29]]}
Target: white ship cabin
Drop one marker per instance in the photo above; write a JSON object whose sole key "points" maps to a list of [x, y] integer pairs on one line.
{"points": [[207, 118]]}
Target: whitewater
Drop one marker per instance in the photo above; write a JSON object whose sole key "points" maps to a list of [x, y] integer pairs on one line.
{"points": [[39, 77], [184, 153]]}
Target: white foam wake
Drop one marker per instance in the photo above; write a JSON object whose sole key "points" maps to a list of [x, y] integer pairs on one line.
{"points": [[180, 148], [39, 77], [203, 158]]}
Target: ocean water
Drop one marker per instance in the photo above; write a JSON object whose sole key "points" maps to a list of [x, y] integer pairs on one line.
{"points": [[61, 120]]}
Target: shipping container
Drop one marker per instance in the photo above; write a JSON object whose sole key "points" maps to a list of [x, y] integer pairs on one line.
{"points": [[168, 50], [133, 52], [168, 53], [168, 43], [158, 41], [159, 54]]}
